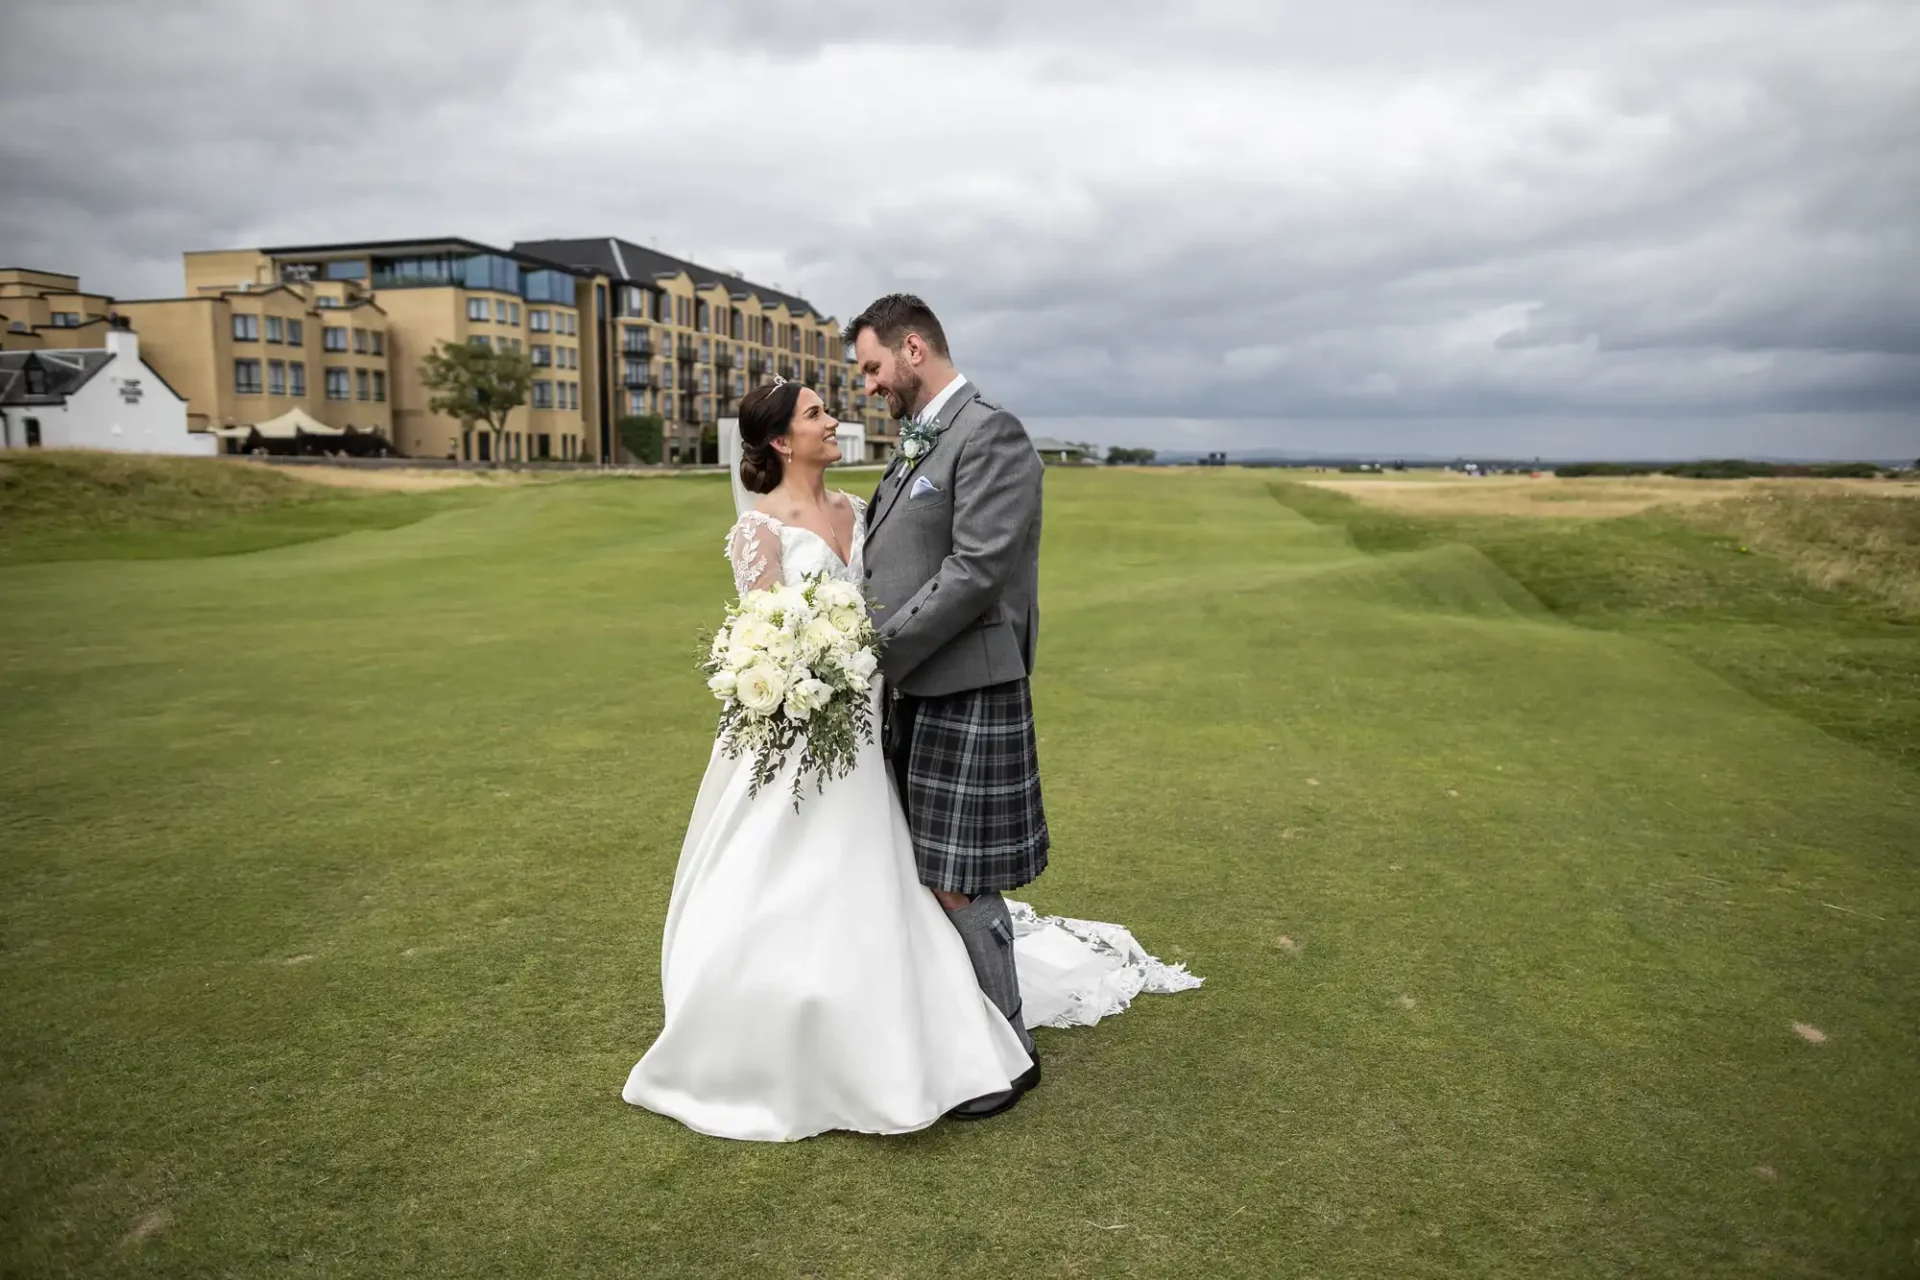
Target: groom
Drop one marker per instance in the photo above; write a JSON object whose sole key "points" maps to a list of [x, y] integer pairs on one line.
{"points": [[953, 564]]}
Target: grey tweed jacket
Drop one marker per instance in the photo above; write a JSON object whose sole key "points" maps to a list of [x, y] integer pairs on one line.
{"points": [[955, 568]]}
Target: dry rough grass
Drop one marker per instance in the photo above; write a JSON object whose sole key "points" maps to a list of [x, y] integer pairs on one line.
{"points": [[406, 480], [1583, 497], [1861, 537]]}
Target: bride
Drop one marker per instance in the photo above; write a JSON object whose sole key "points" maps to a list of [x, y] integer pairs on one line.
{"points": [[810, 981]]}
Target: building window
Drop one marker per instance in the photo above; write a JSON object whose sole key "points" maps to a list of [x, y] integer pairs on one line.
{"points": [[326, 303], [636, 402], [542, 394], [706, 379], [666, 375], [276, 377], [477, 309], [379, 343], [541, 354], [333, 338], [481, 340], [379, 387], [363, 384], [500, 310], [513, 313], [296, 334], [246, 377], [246, 328], [539, 320], [297, 378], [71, 319], [347, 269], [339, 384], [360, 341], [275, 332], [666, 403]]}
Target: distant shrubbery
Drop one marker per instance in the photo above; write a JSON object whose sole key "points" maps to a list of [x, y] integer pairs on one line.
{"points": [[1724, 469], [1130, 457], [643, 435]]}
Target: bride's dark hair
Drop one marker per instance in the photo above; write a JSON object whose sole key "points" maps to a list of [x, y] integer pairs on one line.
{"points": [[766, 414]]}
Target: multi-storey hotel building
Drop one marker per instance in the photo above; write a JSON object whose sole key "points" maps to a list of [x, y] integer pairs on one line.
{"points": [[613, 330], [690, 340]]}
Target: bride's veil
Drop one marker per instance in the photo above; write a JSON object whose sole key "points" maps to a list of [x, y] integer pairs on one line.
{"points": [[732, 448]]}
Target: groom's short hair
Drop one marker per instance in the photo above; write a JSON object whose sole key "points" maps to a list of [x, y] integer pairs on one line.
{"points": [[893, 317]]}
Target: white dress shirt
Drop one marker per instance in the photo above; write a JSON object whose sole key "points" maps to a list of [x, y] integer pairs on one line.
{"points": [[939, 402]]}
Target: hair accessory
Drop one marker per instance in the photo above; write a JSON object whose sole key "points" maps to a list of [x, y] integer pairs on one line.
{"points": [[779, 381]]}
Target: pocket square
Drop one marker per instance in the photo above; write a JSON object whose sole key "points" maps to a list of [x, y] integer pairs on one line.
{"points": [[922, 485]]}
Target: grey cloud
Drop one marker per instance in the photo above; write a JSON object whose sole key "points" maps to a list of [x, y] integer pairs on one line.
{"points": [[1228, 214]]}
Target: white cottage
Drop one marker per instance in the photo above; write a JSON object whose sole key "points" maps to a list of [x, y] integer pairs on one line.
{"points": [[80, 399]]}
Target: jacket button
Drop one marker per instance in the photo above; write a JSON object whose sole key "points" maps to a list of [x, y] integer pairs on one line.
{"points": [[869, 573]]}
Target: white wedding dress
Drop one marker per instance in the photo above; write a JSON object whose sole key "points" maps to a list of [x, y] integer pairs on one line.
{"points": [[810, 981]]}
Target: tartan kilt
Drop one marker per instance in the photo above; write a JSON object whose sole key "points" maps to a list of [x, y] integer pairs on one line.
{"points": [[969, 777]]}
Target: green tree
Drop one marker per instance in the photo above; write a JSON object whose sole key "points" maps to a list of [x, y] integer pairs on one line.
{"points": [[643, 435], [477, 385]]}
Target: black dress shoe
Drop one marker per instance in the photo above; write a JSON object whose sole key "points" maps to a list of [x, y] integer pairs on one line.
{"points": [[992, 1104]]}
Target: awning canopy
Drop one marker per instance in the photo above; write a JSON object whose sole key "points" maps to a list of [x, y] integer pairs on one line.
{"points": [[294, 422]]}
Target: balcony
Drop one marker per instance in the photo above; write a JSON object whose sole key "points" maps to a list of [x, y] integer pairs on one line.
{"points": [[686, 353], [640, 377], [637, 347], [689, 411], [757, 366], [837, 379], [723, 357]]}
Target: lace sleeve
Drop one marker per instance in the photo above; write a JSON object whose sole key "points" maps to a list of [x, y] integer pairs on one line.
{"points": [[753, 548]]}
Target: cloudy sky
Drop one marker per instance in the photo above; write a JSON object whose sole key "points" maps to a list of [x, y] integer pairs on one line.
{"points": [[1522, 226]]}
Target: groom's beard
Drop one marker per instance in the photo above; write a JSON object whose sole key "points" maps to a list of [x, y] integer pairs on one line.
{"points": [[902, 398]]}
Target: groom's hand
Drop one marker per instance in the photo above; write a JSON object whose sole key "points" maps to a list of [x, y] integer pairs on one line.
{"points": [[953, 901]]}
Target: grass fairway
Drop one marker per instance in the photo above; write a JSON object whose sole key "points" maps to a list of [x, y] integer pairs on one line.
{"points": [[335, 872]]}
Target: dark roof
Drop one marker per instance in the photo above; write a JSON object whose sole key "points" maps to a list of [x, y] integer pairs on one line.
{"points": [[419, 245], [637, 264], [67, 372]]}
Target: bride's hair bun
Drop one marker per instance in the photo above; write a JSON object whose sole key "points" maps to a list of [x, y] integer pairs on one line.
{"points": [[766, 414]]}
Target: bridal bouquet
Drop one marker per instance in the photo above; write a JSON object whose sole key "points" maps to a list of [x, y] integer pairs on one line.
{"points": [[791, 666]]}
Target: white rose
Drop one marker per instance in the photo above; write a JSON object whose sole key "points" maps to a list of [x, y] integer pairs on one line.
{"points": [[791, 604], [834, 594], [846, 617], [861, 665], [741, 656], [780, 646], [760, 688], [723, 684], [806, 697], [759, 604], [818, 637]]}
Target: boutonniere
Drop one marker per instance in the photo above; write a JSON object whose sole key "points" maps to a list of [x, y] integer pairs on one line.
{"points": [[917, 439]]}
